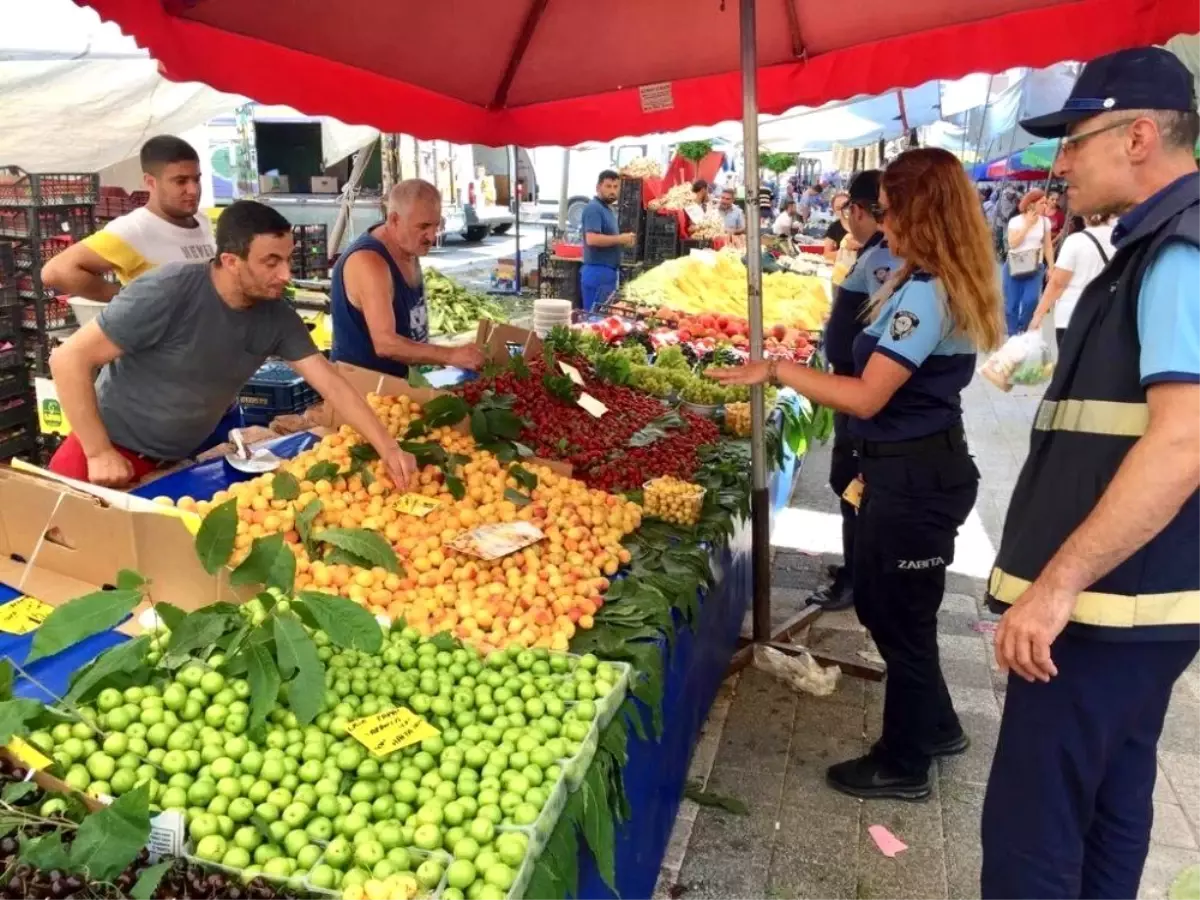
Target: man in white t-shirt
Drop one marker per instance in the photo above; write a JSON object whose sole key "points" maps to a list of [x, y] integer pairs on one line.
{"points": [[786, 223], [167, 229], [1083, 256]]}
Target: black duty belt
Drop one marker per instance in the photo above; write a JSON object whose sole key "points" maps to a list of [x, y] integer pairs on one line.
{"points": [[950, 439]]}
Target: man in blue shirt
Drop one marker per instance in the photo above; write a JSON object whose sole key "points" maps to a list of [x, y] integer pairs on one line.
{"points": [[602, 242], [1096, 572]]}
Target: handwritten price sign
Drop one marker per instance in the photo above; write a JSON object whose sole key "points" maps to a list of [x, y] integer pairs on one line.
{"points": [[23, 615], [391, 730]]}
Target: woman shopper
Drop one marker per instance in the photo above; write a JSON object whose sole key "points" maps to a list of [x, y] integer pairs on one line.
{"points": [[1083, 255], [918, 482], [1030, 251]]}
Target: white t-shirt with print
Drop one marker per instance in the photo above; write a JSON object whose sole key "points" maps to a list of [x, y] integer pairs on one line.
{"points": [[139, 241], [1080, 257]]}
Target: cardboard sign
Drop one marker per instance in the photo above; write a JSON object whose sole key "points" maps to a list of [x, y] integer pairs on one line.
{"points": [[29, 755], [392, 730], [495, 541], [592, 405], [571, 372], [416, 505], [854, 492], [167, 834], [23, 615]]}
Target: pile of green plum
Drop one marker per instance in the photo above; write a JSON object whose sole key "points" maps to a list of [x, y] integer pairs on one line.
{"points": [[465, 810]]}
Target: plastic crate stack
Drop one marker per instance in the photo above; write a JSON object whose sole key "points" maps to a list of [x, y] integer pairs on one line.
{"points": [[115, 202], [275, 390], [310, 255], [631, 216], [662, 238], [41, 215], [18, 406], [559, 278]]}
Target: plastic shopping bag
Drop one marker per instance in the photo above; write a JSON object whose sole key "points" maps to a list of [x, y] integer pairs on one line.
{"points": [[1024, 359]]}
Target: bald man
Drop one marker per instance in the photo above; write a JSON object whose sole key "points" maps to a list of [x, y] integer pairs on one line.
{"points": [[377, 299]]}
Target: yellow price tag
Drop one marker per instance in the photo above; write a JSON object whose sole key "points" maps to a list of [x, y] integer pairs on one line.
{"points": [[23, 615], [392, 730], [416, 505], [28, 754]]}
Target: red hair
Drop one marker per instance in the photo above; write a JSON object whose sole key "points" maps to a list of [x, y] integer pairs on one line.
{"points": [[1031, 198]]}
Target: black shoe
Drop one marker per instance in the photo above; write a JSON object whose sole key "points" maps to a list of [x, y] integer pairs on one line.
{"points": [[838, 595], [868, 779], [951, 746]]}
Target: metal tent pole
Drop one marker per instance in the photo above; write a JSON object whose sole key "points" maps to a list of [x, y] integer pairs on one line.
{"points": [[760, 502]]}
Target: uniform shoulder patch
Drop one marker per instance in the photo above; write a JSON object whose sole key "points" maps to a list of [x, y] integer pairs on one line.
{"points": [[904, 323], [882, 273]]}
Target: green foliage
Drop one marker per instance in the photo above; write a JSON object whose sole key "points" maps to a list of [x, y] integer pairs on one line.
{"points": [[81, 618]]}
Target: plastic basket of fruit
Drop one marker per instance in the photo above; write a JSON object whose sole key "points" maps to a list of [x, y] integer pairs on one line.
{"points": [[673, 500], [608, 704]]}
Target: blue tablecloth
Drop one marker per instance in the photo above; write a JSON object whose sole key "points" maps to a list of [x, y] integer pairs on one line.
{"points": [[656, 774]]}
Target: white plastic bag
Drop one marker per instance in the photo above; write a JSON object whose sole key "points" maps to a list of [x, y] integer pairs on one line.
{"points": [[1024, 359], [800, 673]]}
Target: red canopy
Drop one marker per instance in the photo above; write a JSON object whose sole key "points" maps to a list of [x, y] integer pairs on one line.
{"points": [[536, 72]]}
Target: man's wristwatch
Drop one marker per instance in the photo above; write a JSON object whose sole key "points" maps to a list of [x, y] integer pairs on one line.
{"points": [[773, 372]]}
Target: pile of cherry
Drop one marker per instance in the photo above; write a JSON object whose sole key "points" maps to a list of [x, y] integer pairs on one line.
{"points": [[598, 448], [185, 878]]}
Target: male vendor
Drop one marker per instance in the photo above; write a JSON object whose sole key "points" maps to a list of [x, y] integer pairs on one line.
{"points": [[602, 242], [377, 298], [175, 347]]}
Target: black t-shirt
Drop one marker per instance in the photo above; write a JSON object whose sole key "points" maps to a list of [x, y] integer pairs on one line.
{"points": [[835, 232]]}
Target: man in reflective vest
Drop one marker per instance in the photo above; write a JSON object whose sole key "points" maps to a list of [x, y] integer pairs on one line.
{"points": [[1097, 571]]}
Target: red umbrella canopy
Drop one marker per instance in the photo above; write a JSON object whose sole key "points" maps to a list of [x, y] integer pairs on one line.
{"points": [[536, 72]]}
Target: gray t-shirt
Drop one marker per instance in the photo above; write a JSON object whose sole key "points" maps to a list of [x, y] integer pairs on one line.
{"points": [[185, 356]]}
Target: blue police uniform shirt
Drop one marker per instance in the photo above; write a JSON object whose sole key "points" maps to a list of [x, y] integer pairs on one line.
{"points": [[914, 329], [598, 218], [870, 270], [1168, 316]]}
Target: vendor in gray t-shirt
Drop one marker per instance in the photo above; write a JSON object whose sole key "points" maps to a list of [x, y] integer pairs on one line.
{"points": [[174, 348]]}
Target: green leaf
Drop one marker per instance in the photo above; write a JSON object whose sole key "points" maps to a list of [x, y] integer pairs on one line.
{"points": [[425, 453], [198, 631], [170, 615], [129, 580], [444, 640], [147, 883], [445, 410], [697, 794], [346, 623], [6, 678], [456, 487], [517, 497], [16, 791], [127, 657], [81, 618], [369, 545], [270, 562], [339, 557], [322, 471], [284, 486], [46, 852], [214, 540], [523, 477], [263, 675], [363, 453], [598, 827], [479, 427], [108, 840], [305, 519], [298, 661], [417, 378]]}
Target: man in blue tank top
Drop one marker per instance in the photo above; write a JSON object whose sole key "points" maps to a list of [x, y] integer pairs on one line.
{"points": [[377, 299]]}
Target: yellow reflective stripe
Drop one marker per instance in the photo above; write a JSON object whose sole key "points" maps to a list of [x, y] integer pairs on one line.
{"points": [[1112, 610], [1093, 417]]}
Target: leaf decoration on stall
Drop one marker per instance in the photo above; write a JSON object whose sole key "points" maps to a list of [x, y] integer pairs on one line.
{"points": [[214, 540], [81, 618], [363, 544]]}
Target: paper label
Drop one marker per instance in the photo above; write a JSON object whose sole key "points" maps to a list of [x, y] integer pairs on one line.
{"points": [[656, 97], [392, 730], [571, 372], [495, 541], [592, 405], [23, 615], [31, 756], [854, 492], [167, 833], [416, 505]]}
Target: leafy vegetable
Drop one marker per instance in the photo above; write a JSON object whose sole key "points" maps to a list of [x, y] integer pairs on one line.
{"points": [[83, 617]]}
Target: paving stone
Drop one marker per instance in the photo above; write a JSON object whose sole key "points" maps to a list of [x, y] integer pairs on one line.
{"points": [[974, 700], [957, 623], [801, 879], [1182, 725], [1171, 827], [972, 673], [958, 646], [973, 766], [915, 873], [1183, 772], [1163, 792], [756, 788], [729, 856], [819, 725], [960, 603], [1163, 866], [962, 811]]}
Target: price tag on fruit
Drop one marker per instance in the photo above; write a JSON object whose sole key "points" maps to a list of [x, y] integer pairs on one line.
{"points": [[167, 834], [571, 372], [29, 755], [416, 505], [495, 541], [23, 615], [392, 730], [592, 405]]}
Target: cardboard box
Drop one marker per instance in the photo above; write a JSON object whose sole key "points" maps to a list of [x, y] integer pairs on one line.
{"points": [[61, 539], [498, 341], [324, 184]]}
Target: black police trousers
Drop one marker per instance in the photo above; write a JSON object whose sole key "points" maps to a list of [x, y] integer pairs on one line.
{"points": [[843, 469], [917, 495]]}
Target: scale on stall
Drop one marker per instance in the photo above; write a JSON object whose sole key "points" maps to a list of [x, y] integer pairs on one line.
{"points": [[254, 462]]}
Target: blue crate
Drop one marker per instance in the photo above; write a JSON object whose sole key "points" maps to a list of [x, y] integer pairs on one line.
{"points": [[275, 390]]}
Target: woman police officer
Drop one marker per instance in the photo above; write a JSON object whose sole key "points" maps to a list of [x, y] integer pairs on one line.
{"points": [[919, 483]]}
